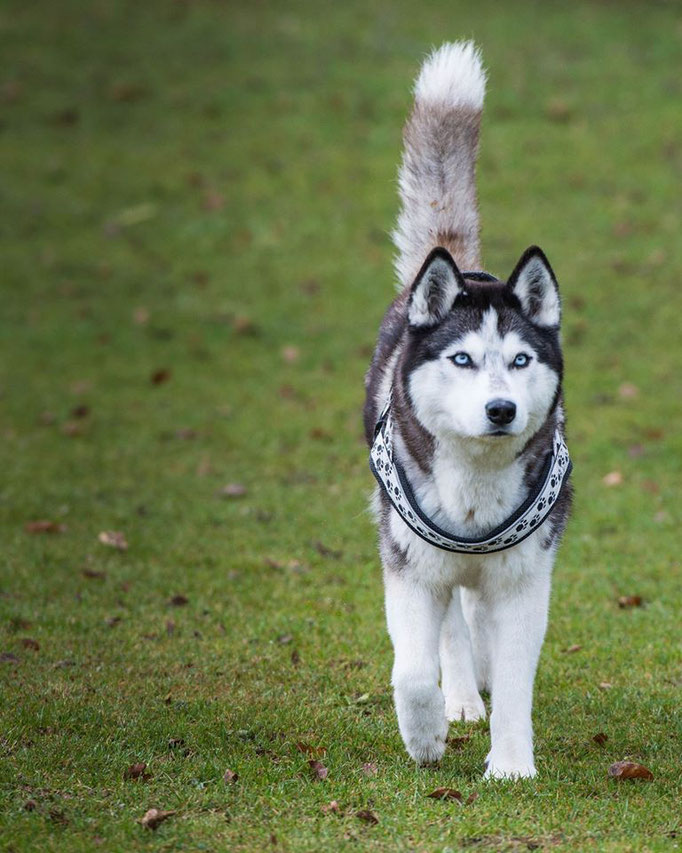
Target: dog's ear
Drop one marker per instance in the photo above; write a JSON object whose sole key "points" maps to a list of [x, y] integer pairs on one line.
{"points": [[434, 290], [535, 285]]}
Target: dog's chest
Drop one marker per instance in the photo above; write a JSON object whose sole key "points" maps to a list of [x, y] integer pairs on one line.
{"points": [[468, 499]]}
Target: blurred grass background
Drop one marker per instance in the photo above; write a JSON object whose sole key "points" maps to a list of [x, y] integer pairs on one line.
{"points": [[195, 207]]}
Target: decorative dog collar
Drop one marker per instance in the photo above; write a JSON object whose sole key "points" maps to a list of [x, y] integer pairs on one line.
{"points": [[520, 524]]}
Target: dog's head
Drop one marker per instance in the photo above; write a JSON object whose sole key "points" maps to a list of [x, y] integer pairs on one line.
{"points": [[483, 359]]}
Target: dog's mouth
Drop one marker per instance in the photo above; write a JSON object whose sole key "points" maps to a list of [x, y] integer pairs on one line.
{"points": [[499, 432]]}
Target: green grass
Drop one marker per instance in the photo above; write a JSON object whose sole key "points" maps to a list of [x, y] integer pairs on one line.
{"points": [[195, 187]]}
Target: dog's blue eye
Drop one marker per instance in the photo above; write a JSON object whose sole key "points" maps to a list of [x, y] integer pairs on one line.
{"points": [[521, 360], [461, 359]]}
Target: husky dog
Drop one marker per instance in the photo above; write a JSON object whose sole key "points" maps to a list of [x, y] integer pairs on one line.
{"points": [[465, 420]]}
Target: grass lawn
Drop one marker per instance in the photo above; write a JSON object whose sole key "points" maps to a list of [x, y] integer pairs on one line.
{"points": [[195, 204]]}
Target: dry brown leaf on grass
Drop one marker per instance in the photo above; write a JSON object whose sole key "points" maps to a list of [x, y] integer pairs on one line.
{"points": [[232, 490], [628, 391], [160, 376], [630, 601], [630, 770], [473, 796], [572, 649], [93, 574], [44, 526], [229, 776], [30, 643], [178, 601], [312, 751], [369, 768], [113, 539], [331, 808], [366, 816], [137, 771], [600, 738], [290, 354], [613, 478], [318, 770], [153, 817], [445, 794]]}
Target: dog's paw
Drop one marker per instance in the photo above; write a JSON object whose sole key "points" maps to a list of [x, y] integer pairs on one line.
{"points": [[464, 709], [422, 722], [510, 761]]}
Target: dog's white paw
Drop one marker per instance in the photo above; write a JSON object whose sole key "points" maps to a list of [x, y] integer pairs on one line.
{"points": [[512, 760], [422, 722], [466, 709]]}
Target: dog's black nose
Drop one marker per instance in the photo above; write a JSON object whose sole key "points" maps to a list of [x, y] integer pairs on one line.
{"points": [[500, 412]]}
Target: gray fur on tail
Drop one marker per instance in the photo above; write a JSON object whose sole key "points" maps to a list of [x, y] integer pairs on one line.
{"points": [[436, 178]]}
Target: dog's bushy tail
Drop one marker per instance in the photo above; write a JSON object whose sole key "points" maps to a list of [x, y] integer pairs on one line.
{"points": [[436, 179]]}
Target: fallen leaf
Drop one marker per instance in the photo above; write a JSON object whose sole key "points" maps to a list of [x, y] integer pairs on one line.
{"points": [[229, 776], [44, 526], [558, 110], [93, 574], [213, 200], [141, 316], [29, 643], [58, 816], [243, 325], [367, 816], [290, 354], [630, 770], [66, 117], [30, 805], [81, 411], [295, 657], [369, 768], [63, 664], [458, 742], [313, 751], [72, 428], [600, 738], [613, 478], [232, 490], [630, 601], [113, 539], [572, 649], [473, 796], [284, 639], [445, 794], [318, 770], [137, 771], [127, 92], [160, 376], [325, 551], [8, 657], [152, 818], [331, 808], [178, 601], [186, 433], [113, 621], [628, 391], [605, 685]]}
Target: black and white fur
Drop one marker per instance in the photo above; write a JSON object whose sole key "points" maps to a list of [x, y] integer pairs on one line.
{"points": [[453, 348]]}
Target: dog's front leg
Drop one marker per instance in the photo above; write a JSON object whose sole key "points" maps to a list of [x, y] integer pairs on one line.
{"points": [[518, 619], [414, 613]]}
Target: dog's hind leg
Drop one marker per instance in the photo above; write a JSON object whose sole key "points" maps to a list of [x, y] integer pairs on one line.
{"points": [[458, 676], [478, 623]]}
